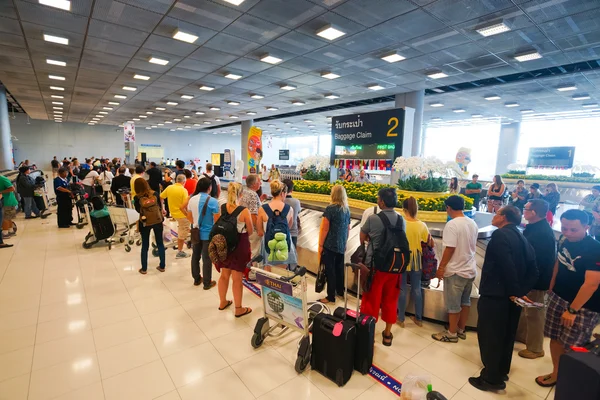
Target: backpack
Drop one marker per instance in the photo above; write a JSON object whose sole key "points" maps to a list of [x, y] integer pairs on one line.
{"points": [[277, 223], [83, 173], [214, 189], [394, 254], [531, 272], [224, 236], [150, 211]]}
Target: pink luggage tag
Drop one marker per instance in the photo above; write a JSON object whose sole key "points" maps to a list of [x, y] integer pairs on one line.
{"points": [[351, 313], [337, 329]]}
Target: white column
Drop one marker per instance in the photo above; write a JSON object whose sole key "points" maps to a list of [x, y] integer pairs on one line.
{"points": [[246, 125], [6, 156], [508, 146], [414, 100]]}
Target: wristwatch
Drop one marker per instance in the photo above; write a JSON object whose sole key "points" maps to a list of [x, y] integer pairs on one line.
{"points": [[572, 310]]}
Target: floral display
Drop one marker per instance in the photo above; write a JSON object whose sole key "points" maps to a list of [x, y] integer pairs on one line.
{"points": [[425, 174], [315, 163], [531, 178], [369, 193]]}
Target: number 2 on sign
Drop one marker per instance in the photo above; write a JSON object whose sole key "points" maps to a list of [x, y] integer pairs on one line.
{"points": [[393, 124]]}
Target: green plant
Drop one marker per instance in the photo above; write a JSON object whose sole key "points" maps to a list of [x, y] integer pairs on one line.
{"points": [[368, 192], [552, 178], [312, 175], [517, 172], [429, 184], [583, 175]]}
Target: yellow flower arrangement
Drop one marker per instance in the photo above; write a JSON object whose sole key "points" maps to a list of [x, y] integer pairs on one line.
{"points": [[368, 193]]}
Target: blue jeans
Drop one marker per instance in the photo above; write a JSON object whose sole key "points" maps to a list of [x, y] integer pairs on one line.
{"points": [[416, 292], [29, 206], [158, 236]]}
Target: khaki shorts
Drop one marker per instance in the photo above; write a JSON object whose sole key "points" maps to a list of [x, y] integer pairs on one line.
{"points": [[10, 213], [183, 228]]}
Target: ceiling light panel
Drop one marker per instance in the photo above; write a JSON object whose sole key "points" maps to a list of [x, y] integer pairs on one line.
{"points": [[160, 109], [159, 61], [272, 108], [184, 36], [214, 108], [206, 88], [287, 87], [492, 97], [330, 32], [298, 103], [172, 103], [233, 103], [566, 88], [113, 103], [235, 77], [59, 88], [120, 96], [512, 104], [187, 97], [56, 96], [392, 57], [62, 4], [332, 96], [234, 2], [129, 88], [56, 62], [58, 103], [436, 104], [493, 29], [269, 59], [56, 39], [141, 77], [375, 87], [581, 97], [329, 75], [459, 110], [437, 75], [533, 55]]}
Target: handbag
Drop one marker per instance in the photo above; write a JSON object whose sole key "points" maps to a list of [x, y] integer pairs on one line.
{"points": [[195, 231], [321, 278], [429, 263]]}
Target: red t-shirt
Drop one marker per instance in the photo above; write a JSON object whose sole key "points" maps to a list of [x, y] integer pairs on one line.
{"points": [[190, 185]]}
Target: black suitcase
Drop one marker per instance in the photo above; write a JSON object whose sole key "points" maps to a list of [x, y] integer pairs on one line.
{"points": [[578, 377], [333, 344], [103, 227], [365, 331]]}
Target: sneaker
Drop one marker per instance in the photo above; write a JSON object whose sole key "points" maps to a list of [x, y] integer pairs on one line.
{"points": [[182, 254], [417, 322], [401, 323], [444, 336], [252, 276], [46, 215], [32, 217], [530, 354], [462, 335]]}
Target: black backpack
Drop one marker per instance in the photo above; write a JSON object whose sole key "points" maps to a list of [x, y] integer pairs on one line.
{"points": [[214, 189], [224, 232], [83, 173], [394, 254], [532, 273]]}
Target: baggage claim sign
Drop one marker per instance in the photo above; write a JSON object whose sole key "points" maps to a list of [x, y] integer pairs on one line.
{"points": [[367, 140]]}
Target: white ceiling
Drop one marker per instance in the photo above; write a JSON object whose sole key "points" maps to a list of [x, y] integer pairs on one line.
{"points": [[111, 41]]}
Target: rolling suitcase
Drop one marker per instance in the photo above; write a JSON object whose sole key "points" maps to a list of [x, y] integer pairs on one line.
{"points": [[578, 377], [103, 227], [333, 347], [365, 331]]}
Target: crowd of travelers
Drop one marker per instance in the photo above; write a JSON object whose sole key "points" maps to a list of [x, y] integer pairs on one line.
{"points": [[522, 271]]}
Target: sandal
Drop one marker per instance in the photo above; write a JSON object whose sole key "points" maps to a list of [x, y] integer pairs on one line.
{"points": [[324, 301], [5, 245], [229, 302], [545, 381], [247, 311], [143, 272], [387, 340]]}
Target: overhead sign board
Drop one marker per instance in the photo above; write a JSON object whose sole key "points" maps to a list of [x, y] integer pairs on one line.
{"points": [[551, 157], [374, 135], [284, 154]]}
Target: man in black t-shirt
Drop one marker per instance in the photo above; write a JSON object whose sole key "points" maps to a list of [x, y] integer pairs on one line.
{"points": [[55, 166], [154, 177], [574, 299]]}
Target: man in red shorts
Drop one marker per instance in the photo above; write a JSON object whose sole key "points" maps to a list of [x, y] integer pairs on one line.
{"points": [[385, 287]]}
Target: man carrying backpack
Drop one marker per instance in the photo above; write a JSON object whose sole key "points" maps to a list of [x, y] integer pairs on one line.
{"points": [[509, 272], [388, 255], [215, 183]]}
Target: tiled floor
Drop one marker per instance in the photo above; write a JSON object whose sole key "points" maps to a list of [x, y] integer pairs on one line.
{"points": [[83, 324]]}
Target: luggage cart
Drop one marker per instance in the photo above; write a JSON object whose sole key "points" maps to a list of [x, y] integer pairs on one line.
{"points": [[101, 228], [124, 220], [284, 301]]}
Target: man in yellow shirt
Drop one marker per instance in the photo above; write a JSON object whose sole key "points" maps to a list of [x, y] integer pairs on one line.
{"points": [[177, 195], [139, 171]]}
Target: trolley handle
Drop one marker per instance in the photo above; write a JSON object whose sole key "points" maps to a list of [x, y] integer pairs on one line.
{"points": [[300, 271], [353, 266]]}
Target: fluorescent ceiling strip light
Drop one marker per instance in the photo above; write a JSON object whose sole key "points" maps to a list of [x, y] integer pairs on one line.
{"points": [[287, 87], [436, 104], [58, 103], [187, 97], [172, 103], [459, 110], [235, 77], [566, 88], [437, 75], [528, 56], [129, 88], [56, 96], [120, 96], [214, 108], [511, 104], [56, 62], [493, 29], [199, 113], [62, 4], [141, 77], [493, 97], [184, 37], [272, 108], [375, 87], [332, 96], [269, 59], [250, 113], [57, 88], [159, 61], [207, 88], [234, 2], [56, 39], [298, 103], [160, 109], [233, 103], [581, 97], [113, 103], [329, 75], [393, 57], [257, 96], [56, 77], [107, 108], [329, 32]]}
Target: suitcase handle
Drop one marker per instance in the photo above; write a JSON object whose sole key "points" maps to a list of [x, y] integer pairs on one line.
{"points": [[355, 267]]}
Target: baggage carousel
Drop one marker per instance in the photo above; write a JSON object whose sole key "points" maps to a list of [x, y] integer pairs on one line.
{"points": [[433, 299], [433, 296]]}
